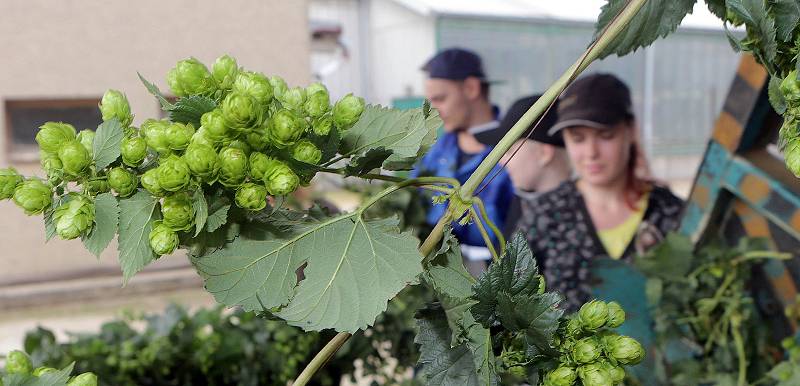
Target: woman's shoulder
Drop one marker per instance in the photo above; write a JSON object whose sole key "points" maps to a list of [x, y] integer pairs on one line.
{"points": [[662, 196], [558, 198]]}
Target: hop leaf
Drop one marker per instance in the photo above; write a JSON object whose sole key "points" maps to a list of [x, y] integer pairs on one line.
{"points": [[115, 105], [33, 195], [251, 196]]}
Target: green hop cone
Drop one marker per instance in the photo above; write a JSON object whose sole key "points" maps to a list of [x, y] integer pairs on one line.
{"points": [[257, 139], [155, 134], [254, 84], [214, 125], [593, 374], [39, 371], [322, 125], [94, 187], [347, 111], [84, 379], [305, 151], [285, 128], [317, 104], [280, 179], [791, 155], [52, 167], [149, 181], [625, 350], [574, 328], [240, 111], [251, 196], [224, 71], [179, 135], [52, 135], [241, 145], [9, 180], [33, 195], [562, 376], [233, 166], [586, 350], [190, 77], [115, 105], [74, 158], [279, 86], [17, 362], [616, 315], [74, 217], [177, 211], [163, 240], [173, 174], [615, 373], [203, 161], [294, 99], [315, 87], [122, 181], [790, 88], [201, 137], [133, 150], [593, 315], [259, 164], [86, 138]]}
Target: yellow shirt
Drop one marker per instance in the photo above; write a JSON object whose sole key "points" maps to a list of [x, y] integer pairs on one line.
{"points": [[616, 239]]}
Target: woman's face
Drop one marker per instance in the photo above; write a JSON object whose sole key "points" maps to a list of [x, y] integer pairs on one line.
{"points": [[600, 156]]}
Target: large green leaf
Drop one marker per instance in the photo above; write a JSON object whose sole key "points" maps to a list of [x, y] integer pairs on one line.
{"points": [[106, 221], [135, 222], [366, 162], [654, 20], [479, 342], [107, 143], [49, 226], [190, 109], [403, 132], [353, 268], [217, 213], [201, 210], [717, 7], [535, 315], [515, 275], [153, 89], [776, 98], [55, 378], [761, 30], [442, 364], [787, 14]]}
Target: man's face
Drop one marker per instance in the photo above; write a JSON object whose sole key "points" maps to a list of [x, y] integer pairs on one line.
{"points": [[449, 98]]}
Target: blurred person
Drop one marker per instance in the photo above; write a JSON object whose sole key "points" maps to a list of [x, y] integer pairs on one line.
{"points": [[458, 88], [540, 164], [586, 231]]}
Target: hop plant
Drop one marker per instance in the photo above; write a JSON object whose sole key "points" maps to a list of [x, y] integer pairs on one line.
{"points": [[214, 125], [790, 88], [593, 374], [86, 138], [280, 179], [294, 99], [74, 217], [97, 186], [190, 77], [259, 164], [201, 137], [240, 111], [177, 211], [203, 161], [317, 104], [84, 379], [285, 128], [279, 86], [586, 350], [179, 135], [224, 71], [155, 134], [255, 85], [616, 315], [123, 181], [615, 373], [74, 158], [347, 111], [251, 196], [133, 150], [561, 376], [593, 315], [173, 174], [9, 180], [305, 151], [315, 87], [625, 350], [257, 138], [17, 362], [163, 240], [115, 105], [52, 135], [233, 166], [322, 125], [33, 195], [149, 181], [241, 145], [42, 370]]}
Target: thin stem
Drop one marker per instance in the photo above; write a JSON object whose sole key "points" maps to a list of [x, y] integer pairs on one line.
{"points": [[437, 188], [500, 238], [610, 33], [740, 351], [322, 357], [484, 234]]}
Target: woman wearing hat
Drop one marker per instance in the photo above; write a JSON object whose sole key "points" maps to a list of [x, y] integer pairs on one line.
{"points": [[585, 232]]}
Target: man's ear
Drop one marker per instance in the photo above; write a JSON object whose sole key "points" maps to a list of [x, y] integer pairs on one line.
{"points": [[471, 87], [545, 153]]}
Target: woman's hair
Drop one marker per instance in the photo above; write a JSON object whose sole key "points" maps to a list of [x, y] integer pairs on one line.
{"points": [[637, 181]]}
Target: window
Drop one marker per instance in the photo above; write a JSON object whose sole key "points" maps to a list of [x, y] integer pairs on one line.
{"points": [[23, 118]]}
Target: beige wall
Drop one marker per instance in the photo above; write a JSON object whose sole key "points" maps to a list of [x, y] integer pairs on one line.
{"points": [[78, 49]]}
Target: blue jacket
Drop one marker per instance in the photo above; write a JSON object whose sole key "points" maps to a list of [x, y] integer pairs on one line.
{"points": [[442, 161]]}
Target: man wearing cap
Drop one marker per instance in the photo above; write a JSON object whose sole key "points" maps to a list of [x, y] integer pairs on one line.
{"points": [[458, 88], [536, 163]]}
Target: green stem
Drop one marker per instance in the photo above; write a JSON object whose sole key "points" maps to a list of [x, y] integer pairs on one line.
{"points": [[739, 342], [484, 234], [549, 96], [500, 238], [758, 255], [321, 358]]}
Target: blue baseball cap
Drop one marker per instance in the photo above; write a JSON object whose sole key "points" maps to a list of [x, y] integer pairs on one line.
{"points": [[455, 64]]}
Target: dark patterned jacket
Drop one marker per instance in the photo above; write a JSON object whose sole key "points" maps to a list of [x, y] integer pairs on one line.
{"points": [[562, 236]]}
